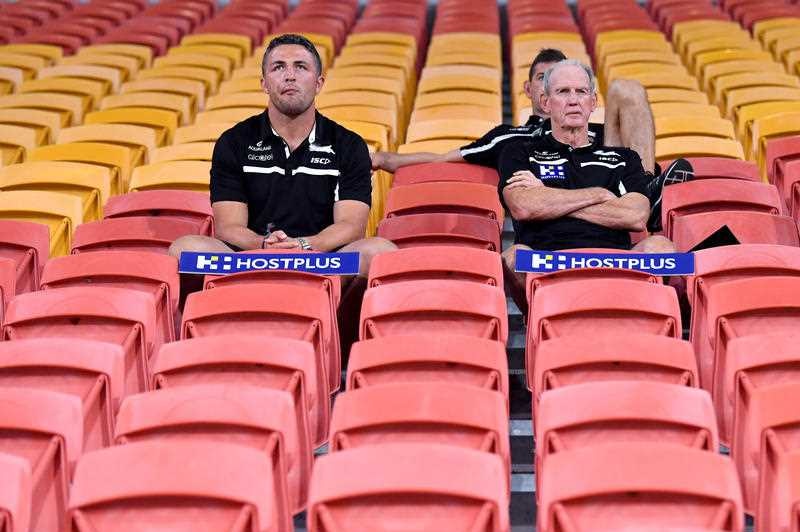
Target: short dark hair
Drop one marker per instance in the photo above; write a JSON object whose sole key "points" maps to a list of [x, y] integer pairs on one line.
{"points": [[292, 38], [546, 55]]}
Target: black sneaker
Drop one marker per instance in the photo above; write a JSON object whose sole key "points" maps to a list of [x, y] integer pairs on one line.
{"points": [[680, 171]]}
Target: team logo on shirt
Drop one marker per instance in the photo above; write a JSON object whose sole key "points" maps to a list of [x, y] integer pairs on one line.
{"points": [[259, 147], [551, 171]]}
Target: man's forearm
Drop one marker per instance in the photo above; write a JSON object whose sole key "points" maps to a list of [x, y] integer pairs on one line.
{"points": [[336, 235], [619, 213], [393, 161], [546, 203], [241, 237]]}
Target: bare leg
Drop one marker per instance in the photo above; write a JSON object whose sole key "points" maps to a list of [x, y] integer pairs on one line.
{"points": [[629, 121], [368, 248], [655, 244], [199, 244], [515, 281]]}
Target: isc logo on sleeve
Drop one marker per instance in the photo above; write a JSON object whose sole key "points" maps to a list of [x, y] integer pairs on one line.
{"points": [[320, 160]]}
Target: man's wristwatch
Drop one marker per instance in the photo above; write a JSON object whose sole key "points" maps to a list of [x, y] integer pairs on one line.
{"points": [[304, 245]]}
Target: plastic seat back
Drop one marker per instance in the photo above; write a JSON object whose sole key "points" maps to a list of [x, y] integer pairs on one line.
{"points": [[436, 262], [192, 176], [28, 245], [15, 493], [747, 227], [60, 213], [462, 198], [441, 229], [131, 233], [433, 172], [171, 204]]}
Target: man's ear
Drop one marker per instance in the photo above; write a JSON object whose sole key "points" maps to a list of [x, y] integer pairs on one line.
{"points": [[594, 101], [264, 85], [527, 88], [320, 82], [544, 103]]}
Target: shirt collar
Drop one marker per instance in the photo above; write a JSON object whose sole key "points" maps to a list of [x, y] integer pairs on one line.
{"points": [[317, 130], [548, 131]]}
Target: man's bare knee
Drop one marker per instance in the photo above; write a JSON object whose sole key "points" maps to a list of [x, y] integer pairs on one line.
{"points": [[197, 243], [510, 256], [369, 248], [656, 244], [627, 93]]}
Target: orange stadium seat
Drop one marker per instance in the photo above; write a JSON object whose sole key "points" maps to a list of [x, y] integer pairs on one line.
{"points": [[116, 488], [227, 413], [719, 167], [441, 229], [445, 263], [182, 205], [777, 509], [15, 491], [433, 172], [461, 198], [131, 233], [276, 363], [747, 227]]}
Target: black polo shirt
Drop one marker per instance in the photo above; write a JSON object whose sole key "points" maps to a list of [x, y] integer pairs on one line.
{"points": [[560, 166], [486, 150], [294, 192]]}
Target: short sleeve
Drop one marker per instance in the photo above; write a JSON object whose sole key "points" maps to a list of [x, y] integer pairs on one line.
{"points": [[485, 151], [635, 179], [513, 159], [355, 171], [226, 173]]}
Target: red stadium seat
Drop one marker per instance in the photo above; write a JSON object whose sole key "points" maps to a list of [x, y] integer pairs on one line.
{"points": [[441, 229], [15, 493], [119, 488], [92, 371], [152, 273], [434, 172], [158, 44], [627, 484], [121, 316], [777, 148], [455, 307], [428, 358], [434, 412], [778, 499], [276, 363], [282, 310], [436, 262], [411, 487], [45, 429], [722, 168], [461, 198], [227, 413], [787, 178], [712, 195], [178, 204], [131, 233], [28, 245], [748, 228], [572, 417]]}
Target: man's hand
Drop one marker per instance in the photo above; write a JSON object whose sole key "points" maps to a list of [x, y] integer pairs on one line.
{"points": [[275, 237], [289, 243], [523, 179], [383, 160]]}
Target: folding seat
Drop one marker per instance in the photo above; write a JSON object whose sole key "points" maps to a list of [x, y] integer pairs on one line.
{"points": [[228, 39], [466, 97], [15, 493], [128, 67], [230, 114], [162, 121], [110, 77], [460, 198], [697, 146], [432, 172], [723, 84], [121, 316], [706, 60], [201, 132], [749, 95], [120, 158], [16, 142], [227, 413], [592, 306], [27, 246], [629, 483], [174, 204], [179, 104], [456, 111], [777, 504], [70, 106], [120, 487], [747, 114], [434, 412], [154, 274], [301, 312], [242, 81], [372, 115], [747, 227], [191, 176], [61, 213], [191, 151], [783, 148], [409, 485], [220, 66], [143, 138], [723, 168], [665, 95], [715, 71], [676, 126], [441, 229], [572, 417], [131, 233], [45, 430], [192, 88], [90, 91], [255, 99], [460, 307], [252, 360], [445, 263], [767, 128], [142, 54], [711, 195], [435, 146], [787, 175], [209, 78]]}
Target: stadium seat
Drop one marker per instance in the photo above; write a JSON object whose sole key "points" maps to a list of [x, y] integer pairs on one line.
{"points": [[276, 363], [28, 245], [192, 88], [572, 417], [209, 78], [151, 273], [122, 316], [436, 197], [697, 146], [127, 67], [459, 307], [142, 137], [15, 493], [201, 133], [720, 167], [46, 123], [45, 429], [449, 229], [676, 126], [301, 312], [121, 487], [71, 107], [787, 175], [748, 228], [143, 54], [777, 505], [191, 176], [180, 205], [227, 413], [131, 233], [625, 484], [191, 151], [711, 195], [464, 130], [762, 130], [231, 114], [121, 159], [435, 172], [61, 213], [434, 412], [445, 263], [163, 121], [16, 142], [419, 486], [91, 371], [179, 104]]}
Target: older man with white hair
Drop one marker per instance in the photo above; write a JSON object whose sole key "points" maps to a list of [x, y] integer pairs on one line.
{"points": [[563, 190]]}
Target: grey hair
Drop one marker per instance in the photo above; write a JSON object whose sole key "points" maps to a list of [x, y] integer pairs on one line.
{"points": [[569, 62]]}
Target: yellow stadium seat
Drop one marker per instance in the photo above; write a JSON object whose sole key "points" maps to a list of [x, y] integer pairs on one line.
{"points": [[368, 85], [456, 82], [238, 99], [402, 50], [180, 104], [659, 80], [221, 66], [247, 72], [740, 80], [431, 146], [233, 53], [662, 95], [375, 134], [29, 64], [456, 111], [464, 41], [467, 97], [6, 87], [190, 151], [61, 213], [210, 78], [186, 87], [373, 115], [682, 40], [69, 106], [637, 70], [487, 59], [90, 90], [465, 129], [228, 39], [747, 113], [127, 66], [736, 42], [172, 175], [143, 54], [762, 27], [119, 158], [462, 70], [143, 138], [378, 71], [90, 183], [162, 121], [522, 54], [791, 59], [369, 99], [46, 123], [777, 35], [667, 109], [697, 146], [16, 142], [616, 47], [52, 53], [201, 132], [231, 114], [15, 76], [738, 97], [784, 47], [111, 76], [624, 35], [380, 37], [243, 84], [704, 60], [717, 70], [648, 57], [676, 126], [768, 127], [405, 64]]}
